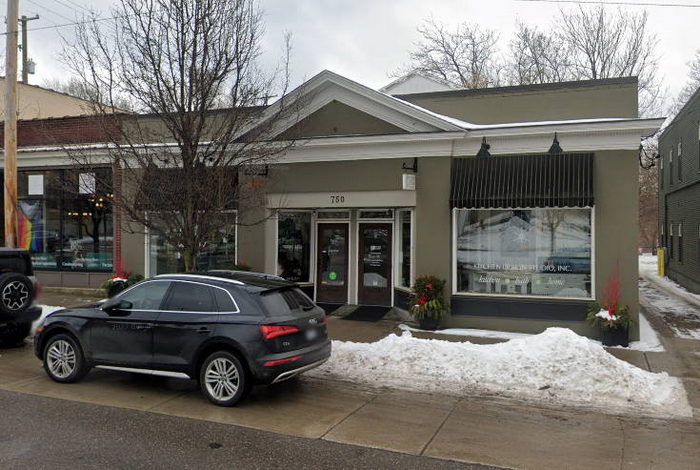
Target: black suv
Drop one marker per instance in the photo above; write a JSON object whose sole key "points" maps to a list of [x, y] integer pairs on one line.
{"points": [[229, 330], [17, 293]]}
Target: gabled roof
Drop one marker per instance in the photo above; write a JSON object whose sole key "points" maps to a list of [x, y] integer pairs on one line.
{"points": [[416, 82], [328, 86]]}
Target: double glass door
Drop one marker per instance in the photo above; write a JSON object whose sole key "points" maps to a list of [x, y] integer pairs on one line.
{"points": [[374, 266]]}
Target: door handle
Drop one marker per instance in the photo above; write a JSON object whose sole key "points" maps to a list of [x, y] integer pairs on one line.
{"points": [[204, 330]]}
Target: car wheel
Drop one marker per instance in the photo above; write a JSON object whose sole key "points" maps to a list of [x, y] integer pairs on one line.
{"points": [[223, 379], [63, 359], [16, 293], [14, 336]]}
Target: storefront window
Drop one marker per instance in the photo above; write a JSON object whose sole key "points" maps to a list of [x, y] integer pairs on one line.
{"points": [[294, 246], [218, 253], [537, 252], [65, 225], [404, 254]]}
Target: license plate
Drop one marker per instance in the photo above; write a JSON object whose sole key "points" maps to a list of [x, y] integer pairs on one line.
{"points": [[311, 334]]}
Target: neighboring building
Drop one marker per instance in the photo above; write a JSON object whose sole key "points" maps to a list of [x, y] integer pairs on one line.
{"points": [[381, 189], [679, 195], [35, 102]]}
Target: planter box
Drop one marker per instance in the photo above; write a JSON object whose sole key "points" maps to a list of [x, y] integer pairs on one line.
{"points": [[428, 323], [615, 337]]}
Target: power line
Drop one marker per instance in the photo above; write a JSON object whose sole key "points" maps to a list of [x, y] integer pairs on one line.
{"points": [[49, 10], [632, 4], [74, 23]]}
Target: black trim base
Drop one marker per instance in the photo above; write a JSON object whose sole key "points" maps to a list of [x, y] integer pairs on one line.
{"points": [[401, 299], [531, 309]]}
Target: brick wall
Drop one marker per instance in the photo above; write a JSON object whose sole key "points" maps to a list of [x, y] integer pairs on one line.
{"points": [[63, 131]]}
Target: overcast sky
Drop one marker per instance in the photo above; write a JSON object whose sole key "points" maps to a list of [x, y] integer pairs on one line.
{"points": [[366, 40]]}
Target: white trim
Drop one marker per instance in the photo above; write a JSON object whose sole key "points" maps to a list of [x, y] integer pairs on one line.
{"points": [[136, 370], [454, 286], [324, 201]]}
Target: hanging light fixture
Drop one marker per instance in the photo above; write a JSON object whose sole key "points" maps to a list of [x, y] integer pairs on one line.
{"points": [[484, 150], [555, 149]]}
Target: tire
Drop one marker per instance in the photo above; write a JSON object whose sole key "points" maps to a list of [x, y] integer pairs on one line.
{"points": [[16, 293], [224, 391], [63, 359], [14, 335]]}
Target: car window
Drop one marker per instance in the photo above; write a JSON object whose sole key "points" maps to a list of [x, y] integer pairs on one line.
{"points": [[286, 301], [191, 297], [223, 301], [146, 296]]}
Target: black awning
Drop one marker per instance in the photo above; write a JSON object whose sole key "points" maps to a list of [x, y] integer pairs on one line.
{"points": [[520, 181]]}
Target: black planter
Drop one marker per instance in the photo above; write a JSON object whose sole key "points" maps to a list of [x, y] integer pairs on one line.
{"points": [[615, 337], [428, 323]]}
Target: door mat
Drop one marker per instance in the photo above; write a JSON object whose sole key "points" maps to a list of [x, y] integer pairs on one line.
{"points": [[368, 313], [329, 308]]}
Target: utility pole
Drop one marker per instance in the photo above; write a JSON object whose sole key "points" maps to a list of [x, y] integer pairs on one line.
{"points": [[11, 125], [25, 47]]}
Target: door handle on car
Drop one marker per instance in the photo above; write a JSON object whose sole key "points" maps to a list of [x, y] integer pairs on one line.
{"points": [[204, 330]]}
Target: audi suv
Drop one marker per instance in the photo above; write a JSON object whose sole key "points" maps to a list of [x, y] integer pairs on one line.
{"points": [[228, 330]]}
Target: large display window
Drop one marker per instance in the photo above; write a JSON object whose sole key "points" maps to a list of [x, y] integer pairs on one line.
{"points": [[524, 252], [65, 219]]}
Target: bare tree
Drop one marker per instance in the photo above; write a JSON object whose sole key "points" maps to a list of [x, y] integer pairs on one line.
{"points": [[536, 57], [691, 86], [466, 56], [182, 163], [603, 44], [648, 208]]}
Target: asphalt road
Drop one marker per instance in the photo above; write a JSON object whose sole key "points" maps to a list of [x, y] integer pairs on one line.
{"points": [[38, 432]]}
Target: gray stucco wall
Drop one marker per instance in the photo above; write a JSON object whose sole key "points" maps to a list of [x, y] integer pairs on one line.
{"points": [[578, 100]]}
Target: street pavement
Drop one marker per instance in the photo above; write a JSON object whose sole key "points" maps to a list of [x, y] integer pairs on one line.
{"points": [[45, 433]]}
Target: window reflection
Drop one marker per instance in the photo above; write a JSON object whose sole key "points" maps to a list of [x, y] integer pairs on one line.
{"points": [[539, 252]]}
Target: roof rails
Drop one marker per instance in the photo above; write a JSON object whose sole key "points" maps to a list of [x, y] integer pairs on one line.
{"points": [[200, 276]]}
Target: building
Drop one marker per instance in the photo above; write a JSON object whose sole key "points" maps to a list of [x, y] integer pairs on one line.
{"points": [[382, 188], [679, 195], [35, 102]]}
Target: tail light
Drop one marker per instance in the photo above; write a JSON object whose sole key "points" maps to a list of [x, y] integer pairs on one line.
{"points": [[281, 361], [273, 331]]}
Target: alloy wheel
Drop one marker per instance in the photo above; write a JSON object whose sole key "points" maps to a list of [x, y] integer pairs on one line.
{"points": [[61, 359], [15, 295], [221, 379]]}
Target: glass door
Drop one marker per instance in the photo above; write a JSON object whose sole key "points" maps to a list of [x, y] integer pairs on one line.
{"points": [[374, 264], [332, 263]]}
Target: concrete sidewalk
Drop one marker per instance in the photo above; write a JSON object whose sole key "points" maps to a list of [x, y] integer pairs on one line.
{"points": [[476, 430]]}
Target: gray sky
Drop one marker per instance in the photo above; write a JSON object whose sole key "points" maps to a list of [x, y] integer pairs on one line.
{"points": [[366, 40]]}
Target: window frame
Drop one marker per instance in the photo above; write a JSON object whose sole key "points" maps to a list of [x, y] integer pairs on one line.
{"points": [[398, 251], [454, 287], [312, 241]]}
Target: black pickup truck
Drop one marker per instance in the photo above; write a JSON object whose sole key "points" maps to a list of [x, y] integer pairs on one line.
{"points": [[17, 294]]}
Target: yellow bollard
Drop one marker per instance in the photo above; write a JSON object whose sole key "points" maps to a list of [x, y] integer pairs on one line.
{"points": [[660, 261]]}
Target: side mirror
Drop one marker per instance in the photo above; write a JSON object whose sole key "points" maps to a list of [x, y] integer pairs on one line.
{"points": [[116, 307]]}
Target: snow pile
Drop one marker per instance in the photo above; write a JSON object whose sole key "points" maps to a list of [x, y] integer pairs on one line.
{"points": [[46, 310], [556, 366]]}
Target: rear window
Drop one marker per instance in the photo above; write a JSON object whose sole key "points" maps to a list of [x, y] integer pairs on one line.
{"points": [[286, 301]]}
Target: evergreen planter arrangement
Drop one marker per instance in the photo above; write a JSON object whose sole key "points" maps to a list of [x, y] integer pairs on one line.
{"points": [[427, 302], [119, 282], [612, 318]]}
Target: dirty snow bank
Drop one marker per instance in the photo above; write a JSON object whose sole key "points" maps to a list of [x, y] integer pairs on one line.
{"points": [[556, 366]]}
